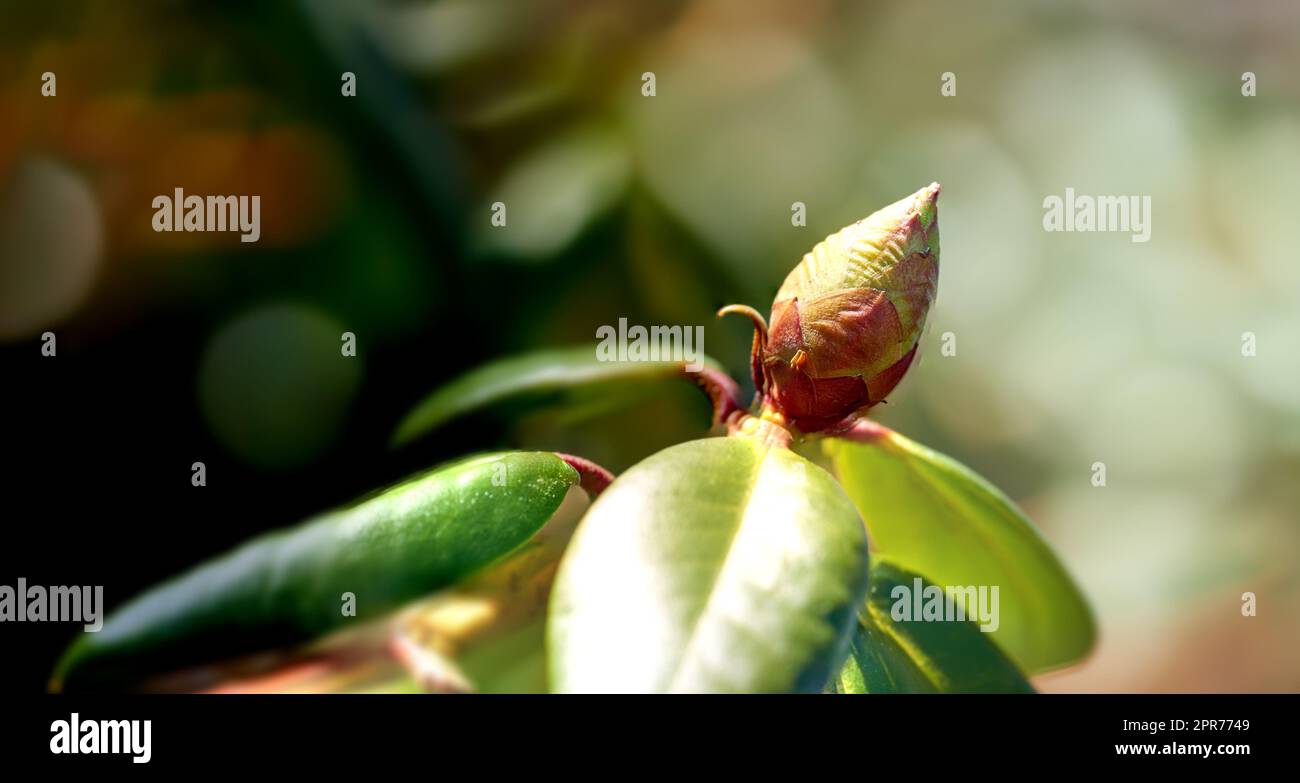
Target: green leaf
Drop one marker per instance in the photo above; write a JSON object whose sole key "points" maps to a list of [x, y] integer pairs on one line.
{"points": [[421, 535], [931, 514], [716, 565], [917, 656], [490, 629], [484, 634], [567, 376]]}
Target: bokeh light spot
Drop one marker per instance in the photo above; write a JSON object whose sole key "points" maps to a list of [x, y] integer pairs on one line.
{"points": [[275, 387]]}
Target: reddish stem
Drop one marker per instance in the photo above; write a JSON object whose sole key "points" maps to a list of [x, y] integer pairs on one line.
{"points": [[722, 390], [857, 429], [592, 477]]}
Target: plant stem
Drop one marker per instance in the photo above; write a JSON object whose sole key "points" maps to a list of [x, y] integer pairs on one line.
{"points": [[723, 392], [857, 429], [592, 477]]}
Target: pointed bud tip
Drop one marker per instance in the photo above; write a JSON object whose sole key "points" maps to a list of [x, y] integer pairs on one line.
{"points": [[926, 204]]}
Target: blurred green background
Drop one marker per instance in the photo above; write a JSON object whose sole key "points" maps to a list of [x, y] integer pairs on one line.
{"points": [[1071, 348]]}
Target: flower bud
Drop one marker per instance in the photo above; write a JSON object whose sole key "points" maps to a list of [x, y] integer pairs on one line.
{"points": [[845, 324]]}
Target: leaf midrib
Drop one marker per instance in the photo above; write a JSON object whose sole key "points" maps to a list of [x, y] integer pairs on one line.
{"points": [[698, 621], [924, 663]]}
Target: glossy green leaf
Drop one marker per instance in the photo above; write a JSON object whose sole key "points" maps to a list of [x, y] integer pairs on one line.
{"points": [[720, 565], [931, 514], [913, 655], [421, 535], [490, 629], [485, 634], [567, 376]]}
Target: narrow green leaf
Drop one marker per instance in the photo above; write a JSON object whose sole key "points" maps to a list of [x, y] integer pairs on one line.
{"points": [[931, 514], [567, 376], [402, 543], [917, 656], [720, 565]]}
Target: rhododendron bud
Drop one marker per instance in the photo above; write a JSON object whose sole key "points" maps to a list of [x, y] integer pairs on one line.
{"points": [[845, 324]]}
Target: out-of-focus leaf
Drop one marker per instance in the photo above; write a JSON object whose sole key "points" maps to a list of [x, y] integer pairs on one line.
{"points": [[439, 37], [365, 670], [918, 656], [555, 193], [715, 565], [567, 377], [931, 514], [387, 113]]}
